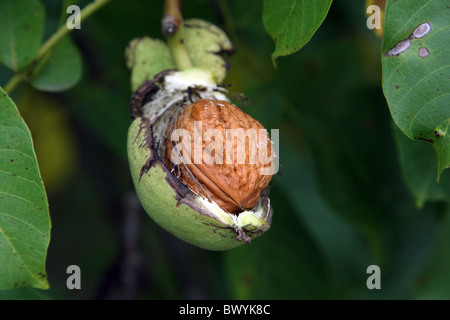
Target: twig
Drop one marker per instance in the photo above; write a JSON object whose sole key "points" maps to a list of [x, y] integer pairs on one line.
{"points": [[172, 28], [172, 19]]}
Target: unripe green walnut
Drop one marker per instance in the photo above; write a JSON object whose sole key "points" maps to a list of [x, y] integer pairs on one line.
{"points": [[183, 209]]}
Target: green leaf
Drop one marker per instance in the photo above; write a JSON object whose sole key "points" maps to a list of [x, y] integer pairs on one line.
{"points": [[292, 23], [21, 27], [419, 170], [24, 218], [61, 70], [416, 72]]}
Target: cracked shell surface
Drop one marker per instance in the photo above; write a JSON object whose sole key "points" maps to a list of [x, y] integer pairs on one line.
{"points": [[234, 184]]}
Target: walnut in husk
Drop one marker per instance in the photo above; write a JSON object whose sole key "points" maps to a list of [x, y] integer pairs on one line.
{"points": [[210, 220]]}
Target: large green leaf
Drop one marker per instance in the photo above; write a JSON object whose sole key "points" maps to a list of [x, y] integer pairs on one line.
{"points": [[416, 71], [21, 27], [24, 218], [61, 70], [292, 23]]}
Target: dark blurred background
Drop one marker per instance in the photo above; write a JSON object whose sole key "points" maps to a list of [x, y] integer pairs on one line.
{"points": [[340, 201]]}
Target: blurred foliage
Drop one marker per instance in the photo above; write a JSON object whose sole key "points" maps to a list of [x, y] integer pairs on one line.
{"points": [[19, 48], [340, 202], [53, 138]]}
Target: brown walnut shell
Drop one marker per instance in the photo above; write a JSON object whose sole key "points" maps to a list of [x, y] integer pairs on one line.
{"points": [[224, 165]]}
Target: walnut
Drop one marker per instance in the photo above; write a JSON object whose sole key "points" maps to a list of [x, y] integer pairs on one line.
{"points": [[220, 158]]}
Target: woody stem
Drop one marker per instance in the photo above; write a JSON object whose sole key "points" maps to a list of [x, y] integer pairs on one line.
{"points": [[172, 28]]}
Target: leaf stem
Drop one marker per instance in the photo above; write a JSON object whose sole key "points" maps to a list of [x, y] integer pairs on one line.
{"points": [[172, 28], [50, 43], [14, 82]]}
